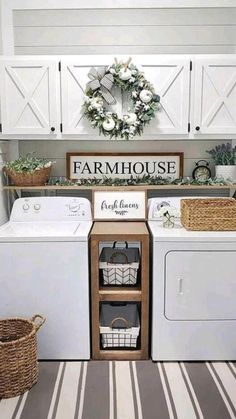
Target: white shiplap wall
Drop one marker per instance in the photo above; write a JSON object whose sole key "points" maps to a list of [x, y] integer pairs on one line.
{"points": [[56, 150], [123, 31]]}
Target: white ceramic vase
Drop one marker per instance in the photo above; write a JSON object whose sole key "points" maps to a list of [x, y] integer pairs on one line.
{"points": [[226, 172]]}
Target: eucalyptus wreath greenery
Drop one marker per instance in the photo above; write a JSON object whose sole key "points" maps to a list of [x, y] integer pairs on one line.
{"points": [[142, 111], [28, 163], [223, 155]]}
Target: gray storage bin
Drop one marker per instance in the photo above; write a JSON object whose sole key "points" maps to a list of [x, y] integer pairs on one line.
{"points": [[119, 265], [119, 325]]}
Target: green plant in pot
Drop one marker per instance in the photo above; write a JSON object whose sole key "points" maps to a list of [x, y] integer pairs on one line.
{"points": [[28, 170], [224, 157]]}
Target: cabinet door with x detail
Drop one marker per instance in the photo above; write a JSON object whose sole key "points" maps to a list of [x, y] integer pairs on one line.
{"points": [[170, 77], [215, 96], [29, 96]]}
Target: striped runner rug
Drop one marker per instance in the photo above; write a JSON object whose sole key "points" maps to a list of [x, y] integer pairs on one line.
{"points": [[128, 390]]}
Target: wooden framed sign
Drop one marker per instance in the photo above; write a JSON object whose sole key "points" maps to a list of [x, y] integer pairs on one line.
{"points": [[123, 165], [112, 205]]}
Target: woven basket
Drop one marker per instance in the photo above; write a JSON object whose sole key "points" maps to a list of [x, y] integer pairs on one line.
{"points": [[18, 355], [216, 214], [36, 178]]}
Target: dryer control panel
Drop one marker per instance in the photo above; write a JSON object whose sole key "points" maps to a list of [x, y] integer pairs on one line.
{"points": [[51, 209]]}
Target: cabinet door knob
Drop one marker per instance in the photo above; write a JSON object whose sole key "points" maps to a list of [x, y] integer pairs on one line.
{"points": [[197, 128], [53, 129]]}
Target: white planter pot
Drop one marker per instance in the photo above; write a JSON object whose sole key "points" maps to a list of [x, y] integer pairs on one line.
{"points": [[226, 172]]}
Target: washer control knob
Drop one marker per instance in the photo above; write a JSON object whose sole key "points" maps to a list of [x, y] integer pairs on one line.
{"points": [[74, 207], [37, 207], [25, 207]]}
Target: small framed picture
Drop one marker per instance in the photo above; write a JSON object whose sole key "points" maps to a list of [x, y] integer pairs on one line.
{"points": [[119, 205]]}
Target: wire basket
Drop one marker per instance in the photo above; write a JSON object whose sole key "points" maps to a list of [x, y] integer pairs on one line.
{"points": [[215, 214], [119, 325], [18, 355], [36, 178], [119, 265]]}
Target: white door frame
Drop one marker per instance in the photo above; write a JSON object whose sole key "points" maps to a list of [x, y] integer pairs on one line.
{"points": [[8, 6]]}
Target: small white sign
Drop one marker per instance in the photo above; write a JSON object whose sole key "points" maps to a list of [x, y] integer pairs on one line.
{"points": [[129, 205]]}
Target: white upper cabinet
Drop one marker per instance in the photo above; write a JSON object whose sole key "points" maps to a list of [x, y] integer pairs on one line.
{"points": [[74, 77], [215, 96], [29, 99], [39, 101], [170, 79]]}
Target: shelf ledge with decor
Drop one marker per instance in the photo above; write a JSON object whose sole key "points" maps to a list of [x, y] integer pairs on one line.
{"points": [[14, 191], [117, 188]]}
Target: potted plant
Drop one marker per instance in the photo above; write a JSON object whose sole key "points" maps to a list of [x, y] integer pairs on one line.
{"points": [[224, 157], [28, 170]]}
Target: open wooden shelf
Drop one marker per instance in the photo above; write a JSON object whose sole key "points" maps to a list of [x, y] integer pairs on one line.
{"points": [[110, 232], [119, 188]]}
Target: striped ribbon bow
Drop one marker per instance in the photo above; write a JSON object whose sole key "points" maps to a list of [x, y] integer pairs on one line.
{"points": [[102, 81]]}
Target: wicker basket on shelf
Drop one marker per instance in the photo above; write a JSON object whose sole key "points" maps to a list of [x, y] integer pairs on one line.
{"points": [[18, 355], [214, 214], [35, 178]]}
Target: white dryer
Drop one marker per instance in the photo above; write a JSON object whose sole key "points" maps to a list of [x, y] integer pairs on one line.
{"points": [[44, 269], [193, 291]]}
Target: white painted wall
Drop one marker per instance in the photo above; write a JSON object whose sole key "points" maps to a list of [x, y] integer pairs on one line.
{"points": [[0, 27], [3, 157], [3, 197]]}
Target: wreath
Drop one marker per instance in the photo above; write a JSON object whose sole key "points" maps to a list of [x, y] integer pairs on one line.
{"points": [[144, 100]]}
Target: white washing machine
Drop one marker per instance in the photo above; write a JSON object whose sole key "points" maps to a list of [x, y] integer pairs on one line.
{"points": [[193, 291], [44, 269]]}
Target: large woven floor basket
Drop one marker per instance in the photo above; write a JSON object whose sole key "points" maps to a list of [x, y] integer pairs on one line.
{"points": [[36, 178], [18, 355], [214, 214]]}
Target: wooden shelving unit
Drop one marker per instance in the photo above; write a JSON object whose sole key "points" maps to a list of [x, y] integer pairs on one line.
{"points": [[110, 232]]}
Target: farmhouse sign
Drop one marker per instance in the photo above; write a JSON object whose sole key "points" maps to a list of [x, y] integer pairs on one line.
{"points": [[113, 205], [123, 165]]}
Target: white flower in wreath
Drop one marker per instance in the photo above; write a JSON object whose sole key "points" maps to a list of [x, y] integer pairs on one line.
{"points": [[96, 103], [130, 118], [132, 129], [134, 94], [145, 95], [109, 124], [131, 80], [125, 74], [112, 71]]}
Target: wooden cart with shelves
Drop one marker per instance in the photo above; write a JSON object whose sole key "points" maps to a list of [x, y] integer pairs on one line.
{"points": [[110, 232]]}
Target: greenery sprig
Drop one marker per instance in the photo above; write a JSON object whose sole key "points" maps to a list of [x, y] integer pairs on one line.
{"points": [[223, 154], [28, 163], [144, 180]]}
